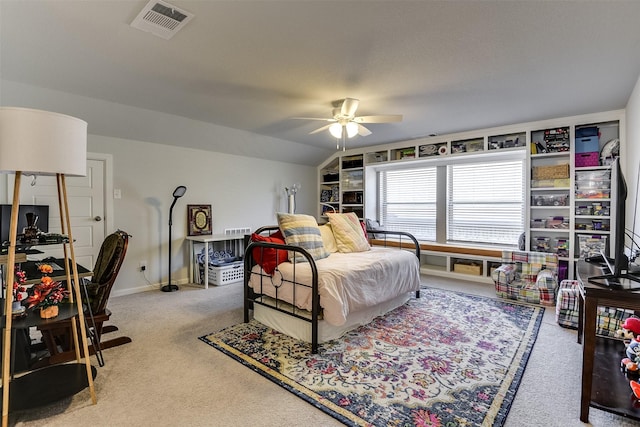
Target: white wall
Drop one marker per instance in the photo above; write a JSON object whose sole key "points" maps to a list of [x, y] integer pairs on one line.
{"points": [[243, 191], [632, 157]]}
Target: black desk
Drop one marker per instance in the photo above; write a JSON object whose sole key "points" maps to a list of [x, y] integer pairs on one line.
{"points": [[604, 386]]}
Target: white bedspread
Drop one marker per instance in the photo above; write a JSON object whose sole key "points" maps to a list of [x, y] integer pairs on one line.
{"points": [[347, 282]]}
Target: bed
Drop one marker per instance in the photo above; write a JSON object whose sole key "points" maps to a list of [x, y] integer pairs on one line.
{"points": [[317, 299]]}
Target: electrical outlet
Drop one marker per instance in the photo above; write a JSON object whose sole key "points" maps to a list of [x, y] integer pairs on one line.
{"points": [[143, 265]]}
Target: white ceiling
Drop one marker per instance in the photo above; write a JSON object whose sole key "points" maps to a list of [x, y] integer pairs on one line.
{"points": [[447, 66]]}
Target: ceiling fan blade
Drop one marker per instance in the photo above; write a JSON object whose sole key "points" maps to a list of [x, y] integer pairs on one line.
{"points": [[349, 107], [363, 131], [325, 127], [314, 118], [387, 118]]}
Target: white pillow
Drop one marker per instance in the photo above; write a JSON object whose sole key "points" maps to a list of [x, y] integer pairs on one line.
{"points": [[348, 232], [328, 239]]}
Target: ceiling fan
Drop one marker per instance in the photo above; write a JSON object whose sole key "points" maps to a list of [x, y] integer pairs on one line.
{"points": [[344, 123]]}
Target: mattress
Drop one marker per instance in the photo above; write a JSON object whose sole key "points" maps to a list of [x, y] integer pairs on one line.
{"points": [[347, 282]]}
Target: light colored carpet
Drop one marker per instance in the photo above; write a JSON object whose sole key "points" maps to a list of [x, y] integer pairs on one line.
{"points": [[167, 377]]}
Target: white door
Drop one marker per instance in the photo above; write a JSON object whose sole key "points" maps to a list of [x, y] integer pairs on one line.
{"points": [[85, 196]]}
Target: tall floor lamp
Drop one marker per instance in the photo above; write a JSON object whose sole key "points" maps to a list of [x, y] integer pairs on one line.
{"points": [[177, 193], [36, 142]]}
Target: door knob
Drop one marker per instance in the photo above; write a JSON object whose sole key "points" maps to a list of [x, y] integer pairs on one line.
{"points": [[98, 218]]}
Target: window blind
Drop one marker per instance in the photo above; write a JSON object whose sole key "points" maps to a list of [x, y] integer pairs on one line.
{"points": [[485, 202], [407, 201]]}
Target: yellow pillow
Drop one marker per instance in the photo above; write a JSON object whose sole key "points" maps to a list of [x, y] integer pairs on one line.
{"points": [[348, 232], [328, 238]]}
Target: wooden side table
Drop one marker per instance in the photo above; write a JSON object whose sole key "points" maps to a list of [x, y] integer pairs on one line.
{"points": [[604, 386]]}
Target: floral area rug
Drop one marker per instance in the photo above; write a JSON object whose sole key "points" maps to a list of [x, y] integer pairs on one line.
{"points": [[445, 359]]}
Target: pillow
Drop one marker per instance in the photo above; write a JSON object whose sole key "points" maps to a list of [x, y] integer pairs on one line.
{"points": [[328, 240], [269, 258], [302, 230], [373, 224], [348, 232]]}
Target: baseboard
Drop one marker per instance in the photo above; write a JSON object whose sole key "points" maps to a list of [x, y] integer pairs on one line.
{"points": [[144, 288]]}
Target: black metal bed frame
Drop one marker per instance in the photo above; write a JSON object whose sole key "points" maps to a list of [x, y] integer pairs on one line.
{"points": [[385, 238]]}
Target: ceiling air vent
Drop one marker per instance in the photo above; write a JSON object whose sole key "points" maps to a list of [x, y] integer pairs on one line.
{"points": [[162, 19]]}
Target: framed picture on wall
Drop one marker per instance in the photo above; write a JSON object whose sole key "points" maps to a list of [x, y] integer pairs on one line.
{"points": [[199, 217]]}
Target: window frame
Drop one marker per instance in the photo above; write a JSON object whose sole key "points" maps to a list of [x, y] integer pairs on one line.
{"points": [[373, 182]]}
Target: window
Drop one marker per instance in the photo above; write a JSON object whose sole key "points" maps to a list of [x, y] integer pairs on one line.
{"points": [[408, 201], [480, 201], [485, 202]]}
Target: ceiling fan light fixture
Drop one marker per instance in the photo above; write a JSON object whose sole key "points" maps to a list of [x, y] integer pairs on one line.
{"points": [[352, 129], [336, 130]]}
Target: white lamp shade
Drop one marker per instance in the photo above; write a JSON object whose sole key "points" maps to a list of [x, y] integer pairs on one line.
{"points": [[336, 130], [42, 143], [352, 129]]}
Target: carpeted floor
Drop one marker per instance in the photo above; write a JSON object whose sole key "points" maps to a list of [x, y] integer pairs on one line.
{"points": [[445, 359], [165, 377]]}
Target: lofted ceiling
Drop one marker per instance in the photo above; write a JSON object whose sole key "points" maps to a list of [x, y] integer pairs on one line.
{"points": [[446, 66]]}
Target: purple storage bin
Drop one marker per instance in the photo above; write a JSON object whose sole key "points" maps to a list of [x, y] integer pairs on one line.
{"points": [[587, 159], [562, 272]]}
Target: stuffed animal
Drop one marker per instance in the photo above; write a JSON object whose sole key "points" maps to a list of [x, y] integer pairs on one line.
{"points": [[625, 335], [632, 324], [629, 367], [633, 350], [635, 387]]}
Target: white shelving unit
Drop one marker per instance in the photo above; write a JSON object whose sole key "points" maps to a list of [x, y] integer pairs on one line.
{"points": [[492, 140]]}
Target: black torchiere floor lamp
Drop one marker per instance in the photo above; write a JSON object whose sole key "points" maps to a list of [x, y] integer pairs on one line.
{"points": [[177, 193]]}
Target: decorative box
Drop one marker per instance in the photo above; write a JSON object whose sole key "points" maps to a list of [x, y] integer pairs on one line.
{"points": [[550, 172], [584, 160], [474, 269]]}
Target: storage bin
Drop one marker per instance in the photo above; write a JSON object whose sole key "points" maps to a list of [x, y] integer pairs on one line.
{"points": [[550, 200], [541, 244], [330, 177], [592, 194], [584, 210], [595, 175], [225, 274], [608, 320], [538, 223], [587, 131], [588, 144], [584, 160], [550, 172], [474, 269], [558, 183], [557, 222], [591, 245]]}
